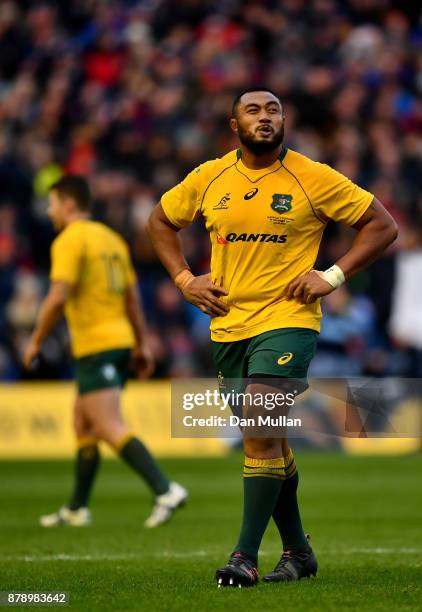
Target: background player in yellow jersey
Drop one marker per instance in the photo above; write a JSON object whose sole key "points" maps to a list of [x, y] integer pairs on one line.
{"points": [[94, 283], [265, 208]]}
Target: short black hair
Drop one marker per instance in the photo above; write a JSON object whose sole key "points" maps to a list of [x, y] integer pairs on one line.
{"points": [[251, 90], [76, 187]]}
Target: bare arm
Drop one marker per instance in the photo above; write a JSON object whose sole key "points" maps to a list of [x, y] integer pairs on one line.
{"points": [[200, 290], [166, 242], [135, 313], [376, 230], [50, 313], [144, 360]]}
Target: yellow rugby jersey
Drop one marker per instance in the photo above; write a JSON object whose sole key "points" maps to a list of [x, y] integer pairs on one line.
{"points": [[265, 228], [96, 261]]}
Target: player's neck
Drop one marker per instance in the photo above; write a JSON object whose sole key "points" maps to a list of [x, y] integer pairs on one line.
{"points": [[77, 216], [258, 161]]}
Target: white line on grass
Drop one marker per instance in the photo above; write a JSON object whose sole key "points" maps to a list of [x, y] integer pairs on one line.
{"points": [[380, 551], [194, 553], [103, 557]]}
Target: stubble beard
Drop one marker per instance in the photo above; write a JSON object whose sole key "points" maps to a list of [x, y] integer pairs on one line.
{"points": [[259, 147]]}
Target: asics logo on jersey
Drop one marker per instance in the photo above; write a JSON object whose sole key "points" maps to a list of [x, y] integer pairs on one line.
{"points": [[275, 238], [285, 358], [250, 194], [222, 205], [282, 202]]}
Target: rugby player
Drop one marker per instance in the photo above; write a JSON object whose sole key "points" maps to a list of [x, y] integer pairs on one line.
{"points": [[93, 282], [265, 207]]}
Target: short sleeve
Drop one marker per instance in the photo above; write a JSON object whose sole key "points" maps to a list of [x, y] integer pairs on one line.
{"points": [[338, 198], [66, 257], [181, 204]]}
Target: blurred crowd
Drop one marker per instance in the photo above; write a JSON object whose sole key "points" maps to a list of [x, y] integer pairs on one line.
{"points": [[134, 94]]}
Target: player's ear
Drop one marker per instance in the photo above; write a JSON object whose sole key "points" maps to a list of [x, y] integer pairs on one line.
{"points": [[69, 204], [233, 125]]}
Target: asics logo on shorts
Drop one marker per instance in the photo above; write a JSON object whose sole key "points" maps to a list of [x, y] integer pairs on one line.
{"points": [[285, 358]]}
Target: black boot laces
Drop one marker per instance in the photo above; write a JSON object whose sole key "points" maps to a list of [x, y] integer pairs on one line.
{"points": [[290, 557], [237, 559]]}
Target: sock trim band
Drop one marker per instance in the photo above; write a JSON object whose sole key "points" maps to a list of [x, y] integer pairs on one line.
{"points": [[123, 441], [264, 472], [266, 468], [268, 463], [288, 458], [256, 470], [264, 475], [86, 441], [292, 471], [290, 465]]}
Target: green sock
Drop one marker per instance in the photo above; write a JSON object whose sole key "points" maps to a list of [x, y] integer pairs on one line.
{"points": [[87, 461], [140, 459], [286, 512], [262, 481]]}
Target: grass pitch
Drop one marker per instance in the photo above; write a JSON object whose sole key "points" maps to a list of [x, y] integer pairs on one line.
{"points": [[363, 513]]}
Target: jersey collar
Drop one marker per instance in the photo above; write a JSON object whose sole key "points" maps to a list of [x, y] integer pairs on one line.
{"points": [[280, 157], [258, 174]]}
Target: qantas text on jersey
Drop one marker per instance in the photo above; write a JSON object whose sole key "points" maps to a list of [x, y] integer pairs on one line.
{"points": [[275, 238]]}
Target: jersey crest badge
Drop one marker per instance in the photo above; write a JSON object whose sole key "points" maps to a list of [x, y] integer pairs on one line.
{"points": [[282, 202]]}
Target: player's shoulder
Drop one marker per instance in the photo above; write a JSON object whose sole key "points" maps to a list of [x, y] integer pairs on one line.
{"points": [[86, 232], [208, 170], [302, 163], [306, 168], [106, 235], [69, 235]]}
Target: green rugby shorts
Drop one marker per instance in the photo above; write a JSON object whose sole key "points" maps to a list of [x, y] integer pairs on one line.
{"points": [[278, 354], [103, 370]]}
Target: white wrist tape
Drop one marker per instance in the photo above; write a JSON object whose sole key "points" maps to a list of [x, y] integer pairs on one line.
{"points": [[334, 276]]}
